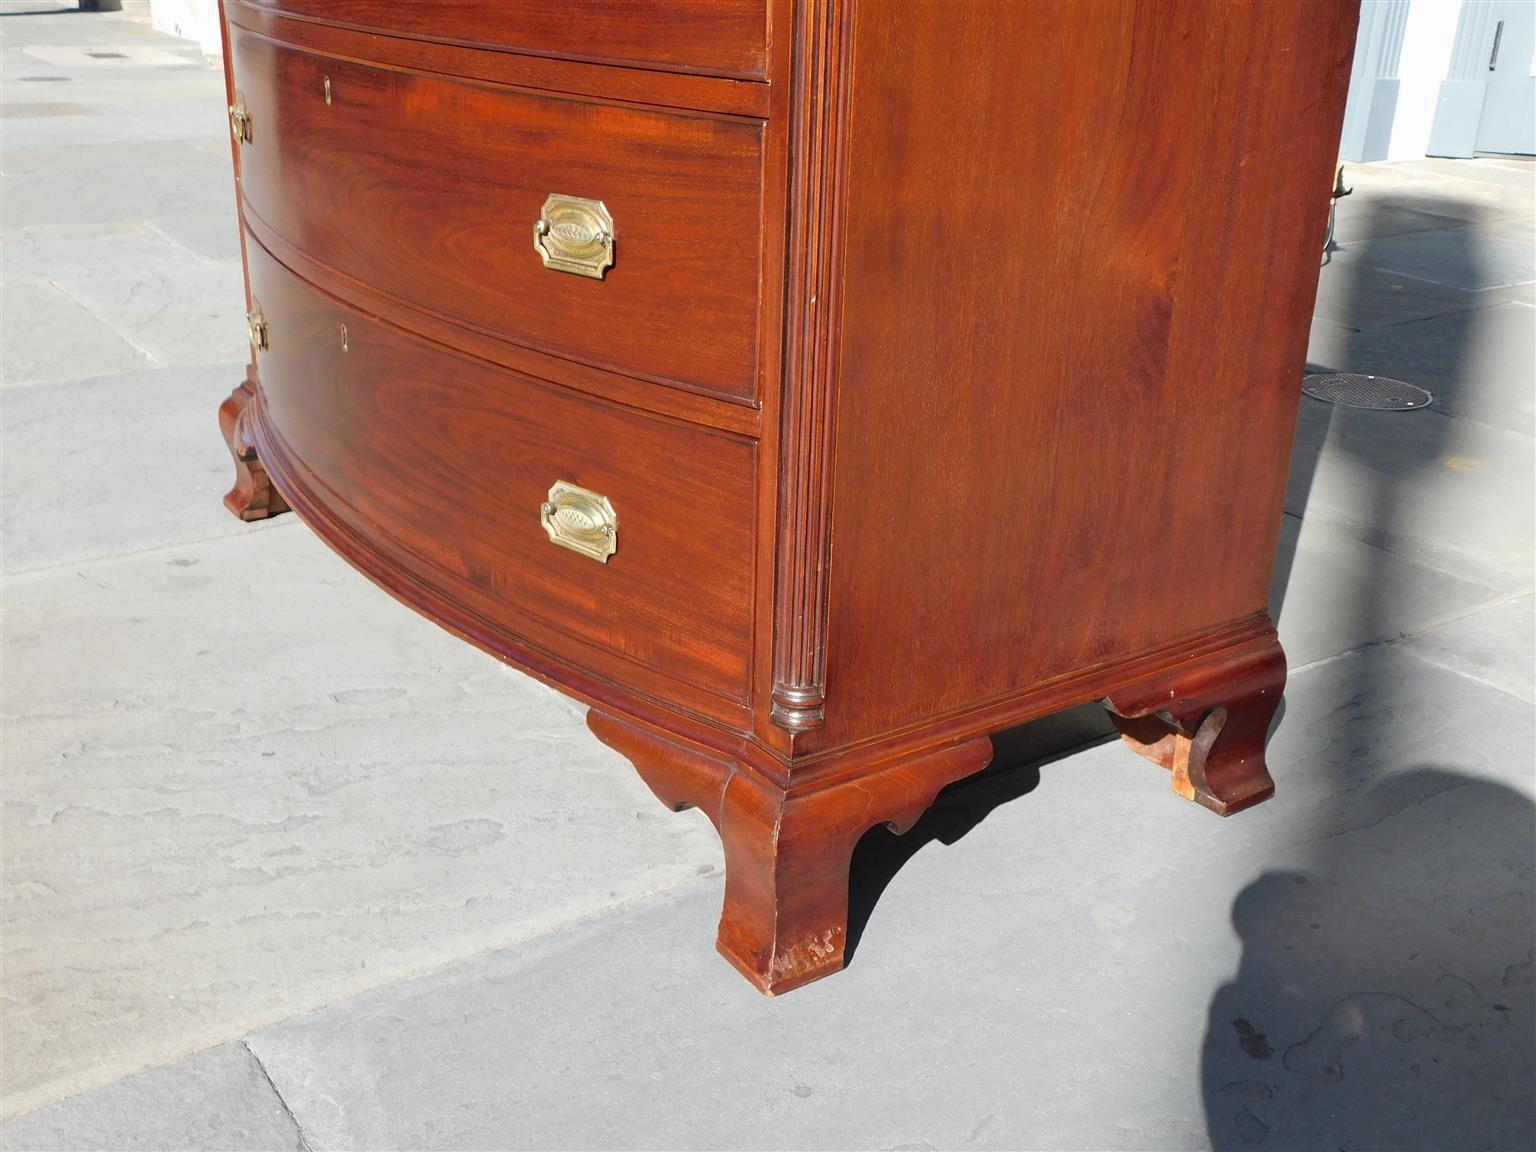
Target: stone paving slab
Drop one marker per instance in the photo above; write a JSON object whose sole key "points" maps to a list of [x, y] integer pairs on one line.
{"points": [[214, 236], [131, 163], [242, 782], [144, 466], [1360, 296], [1473, 191], [1463, 258], [49, 336], [1447, 493], [1092, 964], [194, 316], [1333, 593], [1362, 218], [1493, 645], [91, 197], [1480, 364], [72, 256], [214, 1099]]}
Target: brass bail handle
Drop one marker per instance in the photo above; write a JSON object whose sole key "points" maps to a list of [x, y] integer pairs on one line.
{"points": [[574, 235], [581, 520], [240, 120]]}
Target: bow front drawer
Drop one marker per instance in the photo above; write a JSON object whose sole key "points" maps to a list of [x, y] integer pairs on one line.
{"points": [[716, 37], [619, 541], [620, 237]]}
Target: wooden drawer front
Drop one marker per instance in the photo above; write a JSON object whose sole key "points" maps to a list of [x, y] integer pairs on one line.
{"points": [[443, 462], [717, 37], [428, 189]]}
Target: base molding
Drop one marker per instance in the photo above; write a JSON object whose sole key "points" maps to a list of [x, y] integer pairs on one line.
{"points": [[253, 497], [787, 851], [789, 824], [1207, 723], [788, 847]]}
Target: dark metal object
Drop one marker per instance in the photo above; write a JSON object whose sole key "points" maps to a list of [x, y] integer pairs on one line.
{"points": [[1356, 390]]}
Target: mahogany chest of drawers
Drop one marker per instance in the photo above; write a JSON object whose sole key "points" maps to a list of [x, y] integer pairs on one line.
{"points": [[813, 387]]}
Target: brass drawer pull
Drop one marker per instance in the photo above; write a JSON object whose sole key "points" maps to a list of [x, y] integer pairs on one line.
{"points": [[580, 520], [575, 235], [256, 324], [240, 120]]}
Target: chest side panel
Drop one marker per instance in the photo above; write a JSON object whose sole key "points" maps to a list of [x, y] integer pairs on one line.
{"points": [[1081, 249]]}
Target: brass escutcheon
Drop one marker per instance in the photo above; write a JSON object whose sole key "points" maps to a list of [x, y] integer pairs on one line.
{"points": [[327, 89], [580, 520], [574, 235]]}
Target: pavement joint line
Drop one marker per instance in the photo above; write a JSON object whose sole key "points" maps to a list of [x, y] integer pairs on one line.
{"points": [[1346, 526], [236, 366], [154, 361], [1462, 672], [1440, 621], [1443, 284], [89, 1080], [275, 524], [205, 261], [272, 1084]]}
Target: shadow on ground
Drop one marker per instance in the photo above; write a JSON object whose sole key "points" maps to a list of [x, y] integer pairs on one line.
{"points": [[1384, 994], [1419, 1006], [1018, 756]]}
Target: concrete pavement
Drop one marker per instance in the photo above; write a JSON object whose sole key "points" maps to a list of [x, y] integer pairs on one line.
{"points": [[286, 866]]}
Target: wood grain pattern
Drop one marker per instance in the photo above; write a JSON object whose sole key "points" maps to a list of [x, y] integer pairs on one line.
{"points": [[951, 387], [447, 460], [698, 91], [695, 408], [787, 854], [719, 37], [253, 497], [1208, 723], [818, 139], [679, 306], [1114, 291]]}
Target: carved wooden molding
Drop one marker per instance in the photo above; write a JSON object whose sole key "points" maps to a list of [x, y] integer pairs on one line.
{"points": [[1207, 723], [253, 497], [784, 921], [818, 137]]}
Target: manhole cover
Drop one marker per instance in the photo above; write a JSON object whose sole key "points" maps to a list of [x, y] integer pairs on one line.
{"points": [[1356, 390]]}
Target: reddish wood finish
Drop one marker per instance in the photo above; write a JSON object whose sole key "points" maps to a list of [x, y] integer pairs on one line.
{"points": [[787, 854], [944, 380], [444, 462], [1119, 276], [743, 97], [679, 305], [252, 497], [1208, 723], [720, 37]]}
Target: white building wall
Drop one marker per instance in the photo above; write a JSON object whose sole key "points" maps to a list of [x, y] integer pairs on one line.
{"points": [[192, 19], [1373, 83], [1428, 41], [1420, 75]]}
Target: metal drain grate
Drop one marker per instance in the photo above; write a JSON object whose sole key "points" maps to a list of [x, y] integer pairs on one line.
{"points": [[1355, 390]]}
